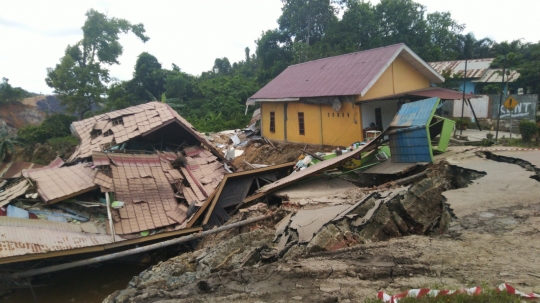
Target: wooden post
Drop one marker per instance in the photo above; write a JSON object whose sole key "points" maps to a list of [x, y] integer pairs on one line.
{"points": [[109, 214]]}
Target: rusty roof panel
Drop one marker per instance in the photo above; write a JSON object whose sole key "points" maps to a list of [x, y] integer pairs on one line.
{"points": [[495, 76], [475, 68], [17, 240], [349, 74], [57, 184]]}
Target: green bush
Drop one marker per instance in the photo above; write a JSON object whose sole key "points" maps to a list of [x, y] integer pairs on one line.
{"points": [[54, 126], [527, 129], [63, 142]]}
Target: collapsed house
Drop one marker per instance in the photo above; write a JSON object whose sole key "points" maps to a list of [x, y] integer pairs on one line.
{"points": [[139, 173]]}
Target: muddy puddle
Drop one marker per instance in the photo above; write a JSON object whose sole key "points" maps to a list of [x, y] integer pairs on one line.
{"points": [[79, 285]]}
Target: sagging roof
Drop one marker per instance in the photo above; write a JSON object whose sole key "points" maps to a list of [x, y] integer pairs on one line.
{"points": [[55, 184], [117, 127], [143, 183], [149, 202], [349, 74]]}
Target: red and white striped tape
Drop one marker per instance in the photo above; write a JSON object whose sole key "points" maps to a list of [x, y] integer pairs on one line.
{"points": [[495, 148], [418, 293]]}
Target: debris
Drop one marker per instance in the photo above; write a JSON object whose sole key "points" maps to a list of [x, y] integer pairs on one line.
{"points": [[117, 204], [15, 212]]}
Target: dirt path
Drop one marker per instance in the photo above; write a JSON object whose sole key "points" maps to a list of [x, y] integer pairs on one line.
{"points": [[494, 239]]}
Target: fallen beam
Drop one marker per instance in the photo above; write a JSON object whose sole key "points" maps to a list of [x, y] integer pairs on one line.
{"points": [[129, 252]]}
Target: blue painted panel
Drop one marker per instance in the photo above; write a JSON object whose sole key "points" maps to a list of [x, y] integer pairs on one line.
{"points": [[410, 145], [416, 113]]}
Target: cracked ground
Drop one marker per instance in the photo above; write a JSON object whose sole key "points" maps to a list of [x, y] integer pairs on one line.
{"points": [[493, 239]]}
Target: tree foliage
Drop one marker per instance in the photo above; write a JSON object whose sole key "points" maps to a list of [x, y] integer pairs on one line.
{"points": [[10, 94], [81, 77], [54, 126]]}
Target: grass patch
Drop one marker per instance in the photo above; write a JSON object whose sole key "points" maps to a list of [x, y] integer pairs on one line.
{"points": [[516, 142]]}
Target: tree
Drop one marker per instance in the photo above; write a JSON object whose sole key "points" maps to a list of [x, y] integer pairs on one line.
{"points": [[81, 77], [403, 21], [468, 47], [529, 69], [148, 77], [306, 20], [8, 94], [444, 32], [6, 145], [273, 53]]}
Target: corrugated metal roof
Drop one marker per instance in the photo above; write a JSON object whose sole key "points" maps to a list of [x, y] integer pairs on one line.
{"points": [[475, 68], [349, 74], [122, 125], [417, 113], [495, 76], [17, 240]]}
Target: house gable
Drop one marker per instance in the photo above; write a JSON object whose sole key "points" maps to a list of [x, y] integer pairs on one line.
{"points": [[399, 77]]}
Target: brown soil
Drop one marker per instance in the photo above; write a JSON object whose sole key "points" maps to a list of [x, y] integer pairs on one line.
{"points": [[260, 152]]}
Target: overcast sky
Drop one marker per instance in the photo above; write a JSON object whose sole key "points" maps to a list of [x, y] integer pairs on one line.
{"points": [[192, 34]]}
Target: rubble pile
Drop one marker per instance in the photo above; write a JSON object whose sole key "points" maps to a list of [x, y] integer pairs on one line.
{"points": [[242, 259]]}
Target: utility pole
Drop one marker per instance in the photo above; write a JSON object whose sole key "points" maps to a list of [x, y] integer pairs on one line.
{"points": [[500, 100], [463, 98]]}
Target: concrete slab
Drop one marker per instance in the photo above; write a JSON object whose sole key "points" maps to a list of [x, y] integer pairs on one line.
{"points": [[322, 190], [504, 185]]}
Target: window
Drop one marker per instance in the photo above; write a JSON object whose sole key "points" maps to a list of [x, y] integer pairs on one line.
{"points": [[301, 123], [272, 122]]}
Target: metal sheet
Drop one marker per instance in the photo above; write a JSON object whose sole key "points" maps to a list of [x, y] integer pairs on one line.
{"points": [[349, 74], [410, 146], [17, 240], [475, 67], [415, 113]]}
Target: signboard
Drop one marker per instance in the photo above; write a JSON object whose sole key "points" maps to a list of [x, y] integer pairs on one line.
{"points": [[510, 103]]}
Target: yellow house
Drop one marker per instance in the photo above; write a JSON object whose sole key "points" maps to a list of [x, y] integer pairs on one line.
{"points": [[335, 100]]}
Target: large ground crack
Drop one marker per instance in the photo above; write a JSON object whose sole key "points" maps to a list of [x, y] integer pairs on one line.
{"points": [[525, 164]]}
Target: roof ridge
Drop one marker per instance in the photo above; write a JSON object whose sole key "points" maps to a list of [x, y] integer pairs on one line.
{"points": [[348, 54]]}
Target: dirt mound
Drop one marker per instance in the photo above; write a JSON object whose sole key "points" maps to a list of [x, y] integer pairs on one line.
{"points": [[261, 152]]}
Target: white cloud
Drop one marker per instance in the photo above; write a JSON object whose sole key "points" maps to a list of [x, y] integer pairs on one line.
{"points": [[192, 34]]}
